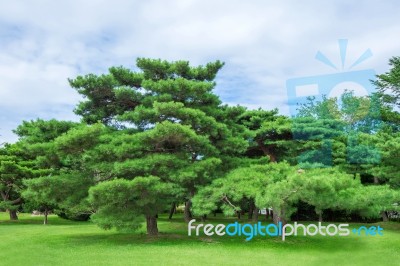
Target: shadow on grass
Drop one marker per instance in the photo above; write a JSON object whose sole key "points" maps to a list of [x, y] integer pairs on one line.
{"points": [[300, 243], [27, 219], [174, 233]]}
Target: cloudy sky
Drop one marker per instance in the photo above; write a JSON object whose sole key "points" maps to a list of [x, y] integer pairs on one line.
{"points": [[263, 43]]}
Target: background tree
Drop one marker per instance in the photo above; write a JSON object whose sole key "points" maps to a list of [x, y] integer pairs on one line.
{"points": [[48, 190], [322, 187], [271, 134], [14, 167], [388, 84], [369, 201], [160, 136], [257, 183], [39, 192]]}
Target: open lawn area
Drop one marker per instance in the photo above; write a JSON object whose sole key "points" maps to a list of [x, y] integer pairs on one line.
{"points": [[63, 242]]}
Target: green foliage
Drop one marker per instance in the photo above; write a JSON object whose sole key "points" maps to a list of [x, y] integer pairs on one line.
{"points": [[110, 95], [250, 182], [388, 170], [107, 95], [339, 134], [160, 135], [14, 167], [322, 187], [271, 134], [38, 131], [40, 191], [388, 84], [281, 186], [123, 203], [369, 201], [169, 126]]}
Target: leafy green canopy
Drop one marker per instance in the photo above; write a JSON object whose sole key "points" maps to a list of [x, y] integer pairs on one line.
{"points": [[164, 122], [122, 203], [121, 90], [388, 84], [281, 187]]}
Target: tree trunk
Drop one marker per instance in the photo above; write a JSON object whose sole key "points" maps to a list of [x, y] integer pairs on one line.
{"points": [[238, 214], [187, 214], [151, 225], [266, 214], [204, 217], [272, 157], [319, 216], [267, 151], [251, 209], [277, 216], [215, 213], [13, 215], [45, 216], [172, 210], [255, 215], [384, 216], [282, 216]]}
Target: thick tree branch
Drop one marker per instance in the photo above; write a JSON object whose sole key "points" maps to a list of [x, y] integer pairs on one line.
{"points": [[16, 201], [3, 195], [226, 200]]}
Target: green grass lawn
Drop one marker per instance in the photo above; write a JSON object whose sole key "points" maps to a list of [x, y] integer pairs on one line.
{"points": [[62, 242]]}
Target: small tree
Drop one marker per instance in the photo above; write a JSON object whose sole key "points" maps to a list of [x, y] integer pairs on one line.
{"points": [[321, 188], [255, 183], [40, 192], [14, 167], [368, 201], [123, 203], [388, 84]]}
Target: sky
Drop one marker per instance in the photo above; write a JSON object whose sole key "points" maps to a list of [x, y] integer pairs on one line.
{"points": [[263, 44]]}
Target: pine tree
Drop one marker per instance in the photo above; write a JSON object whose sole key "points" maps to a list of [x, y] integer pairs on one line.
{"points": [[170, 131]]}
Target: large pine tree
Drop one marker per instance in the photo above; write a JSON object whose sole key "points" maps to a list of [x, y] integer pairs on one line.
{"points": [[172, 136]]}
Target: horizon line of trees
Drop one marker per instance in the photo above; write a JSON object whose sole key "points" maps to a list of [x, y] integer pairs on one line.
{"points": [[154, 138]]}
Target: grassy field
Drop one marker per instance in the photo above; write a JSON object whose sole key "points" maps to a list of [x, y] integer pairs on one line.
{"points": [[62, 242]]}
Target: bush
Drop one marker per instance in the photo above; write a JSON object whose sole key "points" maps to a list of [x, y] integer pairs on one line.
{"points": [[68, 215]]}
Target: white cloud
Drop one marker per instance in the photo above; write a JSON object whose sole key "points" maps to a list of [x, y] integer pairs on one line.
{"points": [[263, 43]]}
